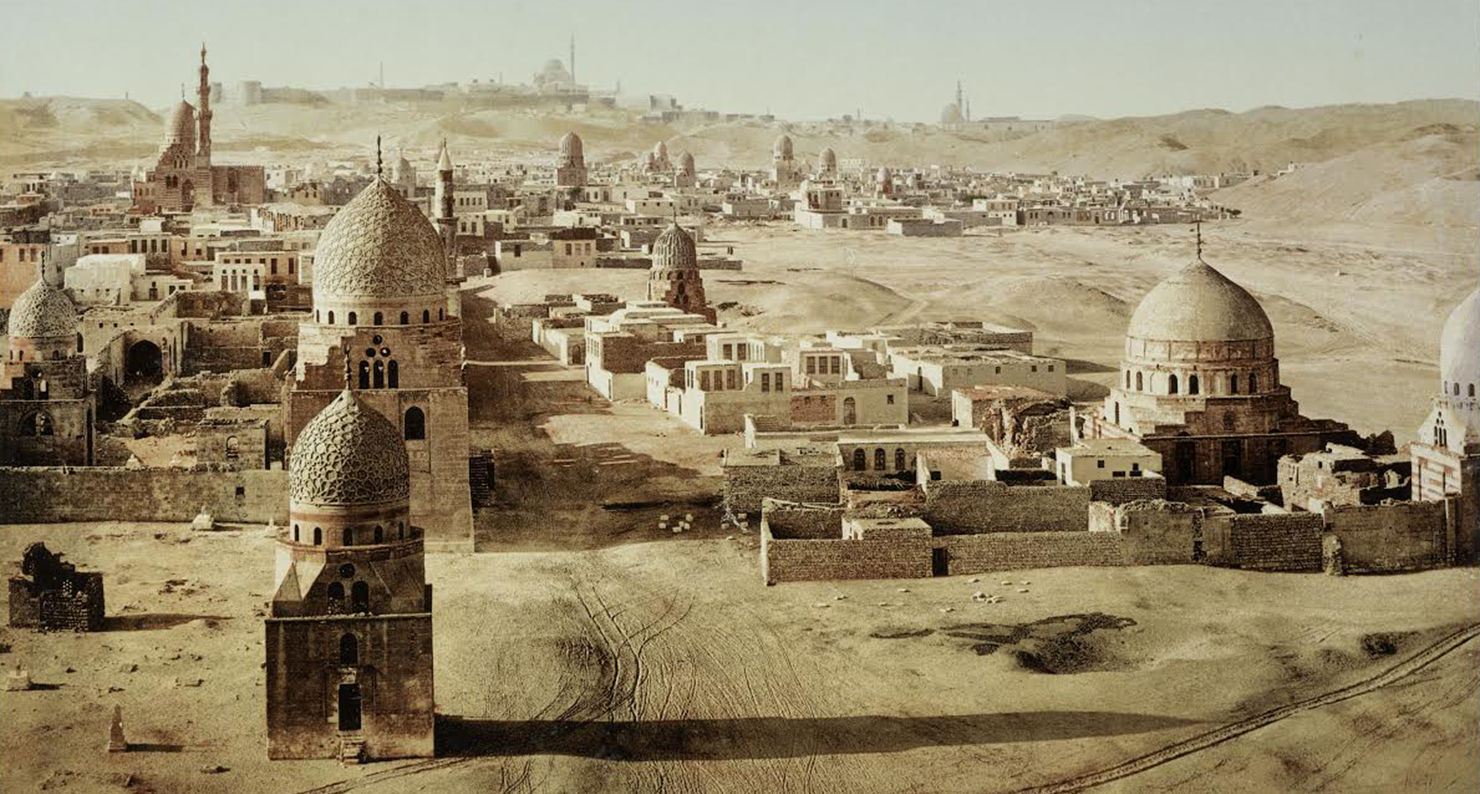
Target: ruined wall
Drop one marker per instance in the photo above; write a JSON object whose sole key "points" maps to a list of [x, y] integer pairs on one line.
{"points": [[1157, 532], [97, 493], [1007, 551], [954, 508], [793, 521], [1264, 542], [1386, 538], [745, 487], [77, 605]]}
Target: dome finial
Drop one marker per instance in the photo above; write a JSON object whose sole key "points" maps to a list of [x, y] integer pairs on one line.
{"points": [[1197, 227], [378, 164], [347, 366]]}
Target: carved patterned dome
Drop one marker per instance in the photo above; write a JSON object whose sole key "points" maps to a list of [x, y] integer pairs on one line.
{"points": [[1199, 304], [42, 311], [180, 126], [379, 245], [572, 151], [349, 455], [686, 163], [675, 250]]}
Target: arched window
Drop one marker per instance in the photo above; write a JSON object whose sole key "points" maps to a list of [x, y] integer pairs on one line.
{"points": [[1472, 391], [348, 537], [1456, 388], [359, 597], [393, 375], [415, 424], [426, 316], [336, 597], [401, 529], [1253, 383], [1127, 379], [233, 448], [1171, 384], [37, 424], [441, 315], [379, 318], [318, 536], [1192, 385], [331, 318], [364, 374], [379, 374], [379, 534], [1233, 384], [899, 460], [881, 460], [349, 649], [353, 318], [295, 533], [860, 460], [405, 318], [1139, 384]]}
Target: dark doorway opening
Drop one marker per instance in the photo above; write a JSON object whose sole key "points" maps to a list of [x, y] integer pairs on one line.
{"points": [[144, 363], [349, 707]]}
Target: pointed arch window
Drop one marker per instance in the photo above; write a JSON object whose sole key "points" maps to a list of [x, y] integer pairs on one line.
{"points": [[415, 424], [349, 649], [393, 374]]}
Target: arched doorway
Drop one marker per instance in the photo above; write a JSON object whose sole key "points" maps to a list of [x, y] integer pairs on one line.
{"points": [[349, 707], [850, 411], [144, 363]]}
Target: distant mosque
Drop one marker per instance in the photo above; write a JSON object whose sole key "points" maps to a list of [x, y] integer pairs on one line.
{"points": [[183, 178]]}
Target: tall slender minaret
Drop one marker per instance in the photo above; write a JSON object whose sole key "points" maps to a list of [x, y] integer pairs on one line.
{"points": [[446, 220], [572, 57], [203, 144]]}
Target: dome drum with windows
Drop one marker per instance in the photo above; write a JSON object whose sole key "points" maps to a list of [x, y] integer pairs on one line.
{"points": [[379, 256], [349, 479]]}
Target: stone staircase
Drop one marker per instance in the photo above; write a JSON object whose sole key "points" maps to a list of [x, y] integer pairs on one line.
{"points": [[480, 476], [351, 748]]}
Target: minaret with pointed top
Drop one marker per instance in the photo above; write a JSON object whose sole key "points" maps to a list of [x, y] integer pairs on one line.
{"points": [[446, 218], [203, 116]]}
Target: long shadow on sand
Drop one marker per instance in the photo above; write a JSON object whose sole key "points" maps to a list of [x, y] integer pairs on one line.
{"points": [[154, 620], [752, 738]]}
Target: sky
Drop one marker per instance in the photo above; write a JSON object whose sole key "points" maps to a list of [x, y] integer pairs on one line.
{"points": [[800, 60]]}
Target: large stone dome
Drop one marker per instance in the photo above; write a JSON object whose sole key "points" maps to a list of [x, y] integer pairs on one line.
{"points": [[1199, 304], [349, 455], [675, 250], [782, 147], [180, 125], [829, 159], [1459, 347], [42, 312], [660, 151], [379, 245], [572, 150], [686, 163]]}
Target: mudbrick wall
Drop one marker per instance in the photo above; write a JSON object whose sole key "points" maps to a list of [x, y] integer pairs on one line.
{"points": [[954, 508], [1006, 551], [793, 521], [1127, 489], [102, 493], [1398, 536]]}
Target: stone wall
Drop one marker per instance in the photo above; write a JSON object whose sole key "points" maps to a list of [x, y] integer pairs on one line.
{"points": [[98, 493], [1264, 542], [784, 560], [1392, 537], [1008, 551], [789, 521], [1157, 532], [1127, 489], [955, 508], [746, 487]]}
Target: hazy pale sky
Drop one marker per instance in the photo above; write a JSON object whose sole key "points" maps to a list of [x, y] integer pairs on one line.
{"points": [[800, 60]]}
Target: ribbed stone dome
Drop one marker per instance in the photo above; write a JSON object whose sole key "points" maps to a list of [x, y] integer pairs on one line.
{"points": [[379, 245], [686, 163], [1459, 347], [42, 311], [1199, 304], [782, 148], [572, 150], [349, 455], [829, 159], [180, 126], [675, 249], [660, 151]]}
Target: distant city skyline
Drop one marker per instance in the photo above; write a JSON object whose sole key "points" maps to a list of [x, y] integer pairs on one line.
{"points": [[799, 61]]}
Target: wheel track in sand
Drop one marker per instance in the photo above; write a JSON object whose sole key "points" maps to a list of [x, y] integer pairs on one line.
{"points": [[1203, 741]]}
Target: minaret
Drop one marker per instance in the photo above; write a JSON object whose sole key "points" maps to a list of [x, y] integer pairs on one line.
{"points": [[572, 57], [203, 145], [446, 220]]}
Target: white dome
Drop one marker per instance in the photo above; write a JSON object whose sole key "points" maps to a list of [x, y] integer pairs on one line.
{"points": [[1459, 347], [660, 151], [782, 147], [379, 245], [42, 312], [180, 126], [1199, 304]]}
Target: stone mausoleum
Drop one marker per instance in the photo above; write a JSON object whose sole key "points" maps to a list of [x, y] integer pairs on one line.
{"points": [[1200, 385], [1446, 456], [349, 640]]}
